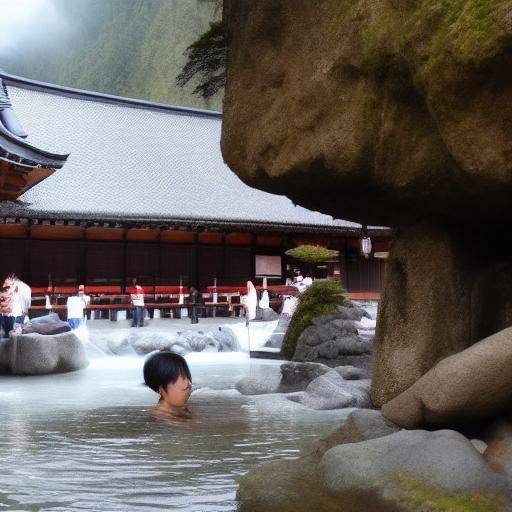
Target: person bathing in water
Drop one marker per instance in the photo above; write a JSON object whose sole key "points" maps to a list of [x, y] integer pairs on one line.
{"points": [[167, 374]]}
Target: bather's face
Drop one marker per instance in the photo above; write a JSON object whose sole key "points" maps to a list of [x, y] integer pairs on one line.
{"points": [[177, 394]]}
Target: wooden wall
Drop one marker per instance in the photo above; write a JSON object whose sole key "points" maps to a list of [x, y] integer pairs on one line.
{"points": [[113, 256]]}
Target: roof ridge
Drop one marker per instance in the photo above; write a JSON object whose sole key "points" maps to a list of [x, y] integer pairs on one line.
{"points": [[61, 90]]}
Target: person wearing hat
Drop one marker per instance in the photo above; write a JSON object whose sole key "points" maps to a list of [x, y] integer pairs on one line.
{"points": [[76, 305]]}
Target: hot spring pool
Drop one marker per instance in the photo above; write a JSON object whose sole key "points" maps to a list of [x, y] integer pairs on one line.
{"points": [[86, 440]]}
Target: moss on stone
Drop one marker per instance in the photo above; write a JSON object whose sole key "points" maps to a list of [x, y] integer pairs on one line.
{"points": [[415, 493], [321, 298], [454, 36]]}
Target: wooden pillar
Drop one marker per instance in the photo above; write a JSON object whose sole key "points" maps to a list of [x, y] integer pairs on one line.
{"points": [[343, 265], [194, 279], [83, 262], [27, 270], [221, 278], [125, 260], [157, 274]]}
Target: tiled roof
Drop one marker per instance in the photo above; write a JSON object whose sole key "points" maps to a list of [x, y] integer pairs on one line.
{"points": [[13, 146], [132, 159]]}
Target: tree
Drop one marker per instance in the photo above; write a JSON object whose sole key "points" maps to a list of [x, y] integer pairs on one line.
{"points": [[207, 59], [312, 254]]}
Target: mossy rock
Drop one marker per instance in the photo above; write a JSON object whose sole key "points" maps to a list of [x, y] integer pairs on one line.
{"points": [[416, 495], [321, 298]]}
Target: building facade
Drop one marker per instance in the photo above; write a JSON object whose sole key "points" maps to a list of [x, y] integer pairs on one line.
{"points": [[145, 193]]}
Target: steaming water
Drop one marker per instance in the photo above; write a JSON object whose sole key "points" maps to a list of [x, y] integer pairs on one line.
{"points": [[86, 440]]}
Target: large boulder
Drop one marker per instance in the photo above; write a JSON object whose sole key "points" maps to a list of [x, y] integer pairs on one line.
{"points": [[443, 460], [38, 354], [473, 385], [382, 112]]}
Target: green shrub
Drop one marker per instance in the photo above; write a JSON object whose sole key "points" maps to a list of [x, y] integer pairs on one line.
{"points": [[321, 298], [312, 253]]}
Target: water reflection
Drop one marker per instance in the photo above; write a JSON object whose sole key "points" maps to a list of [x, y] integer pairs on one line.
{"points": [[62, 450]]}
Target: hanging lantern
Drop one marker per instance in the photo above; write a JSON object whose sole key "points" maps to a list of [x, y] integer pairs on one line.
{"points": [[366, 246]]}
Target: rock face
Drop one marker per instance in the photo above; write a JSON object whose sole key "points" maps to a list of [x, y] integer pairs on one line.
{"points": [[319, 94], [473, 385], [332, 338], [38, 354], [388, 113]]}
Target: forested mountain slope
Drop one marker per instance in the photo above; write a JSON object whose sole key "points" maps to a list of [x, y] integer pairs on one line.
{"points": [[130, 48]]}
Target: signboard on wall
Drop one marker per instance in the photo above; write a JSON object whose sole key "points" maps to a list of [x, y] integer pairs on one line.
{"points": [[268, 266]]}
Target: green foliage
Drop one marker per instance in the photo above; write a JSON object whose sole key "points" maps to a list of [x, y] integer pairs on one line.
{"points": [[457, 36], [312, 253], [321, 298], [207, 60], [419, 494]]}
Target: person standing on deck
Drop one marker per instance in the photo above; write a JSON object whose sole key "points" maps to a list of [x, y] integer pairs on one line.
{"points": [[137, 297], [15, 303], [76, 306]]}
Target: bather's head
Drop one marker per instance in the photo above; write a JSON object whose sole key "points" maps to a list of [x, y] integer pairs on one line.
{"points": [[168, 374]]}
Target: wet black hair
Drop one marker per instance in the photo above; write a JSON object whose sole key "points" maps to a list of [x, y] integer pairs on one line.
{"points": [[163, 368]]}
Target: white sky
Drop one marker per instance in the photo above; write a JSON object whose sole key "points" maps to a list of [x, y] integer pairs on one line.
{"points": [[26, 22]]}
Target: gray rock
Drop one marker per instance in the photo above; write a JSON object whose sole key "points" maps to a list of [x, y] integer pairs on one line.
{"points": [[443, 459], [252, 386], [361, 425], [37, 354], [328, 350], [363, 362], [332, 391], [45, 319], [352, 346], [222, 339], [354, 313], [144, 341], [351, 372], [309, 337], [331, 337], [295, 376], [47, 328]]}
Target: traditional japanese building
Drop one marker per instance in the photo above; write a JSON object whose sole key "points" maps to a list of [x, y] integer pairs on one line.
{"points": [[144, 192]]}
